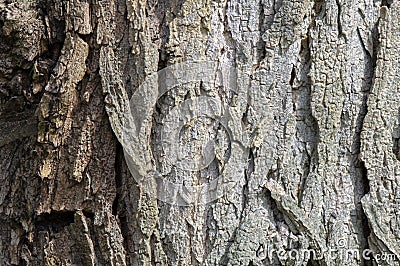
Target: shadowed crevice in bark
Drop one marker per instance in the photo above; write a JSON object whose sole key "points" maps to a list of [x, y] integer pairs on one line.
{"points": [[313, 262], [119, 156], [396, 138], [386, 3], [54, 221], [362, 182], [245, 190], [162, 59], [279, 218], [119, 204], [339, 19], [366, 229], [261, 51], [306, 123], [160, 11]]}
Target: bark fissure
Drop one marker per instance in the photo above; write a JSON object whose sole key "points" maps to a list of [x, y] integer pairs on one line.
{"points": [[363, 182], [54, 221], [307, 124]]}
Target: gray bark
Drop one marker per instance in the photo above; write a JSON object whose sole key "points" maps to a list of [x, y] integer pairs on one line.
{"points": [[316, 103]]}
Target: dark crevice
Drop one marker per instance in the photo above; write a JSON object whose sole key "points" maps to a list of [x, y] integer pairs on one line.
{"points": [[273, 206], [366, 230], [278, 217], [118, 179], [386, 3], [164, 33], [88, 214], [292, 76], [319, 9], [87, 38], [162, 59], [396, 138], [248, 172], [54, 221], [312, 262], [55, 28], [117, 205], [363, 44], [160, 14], [339, 22], [362, 182], [306, 123], [261, 50]]}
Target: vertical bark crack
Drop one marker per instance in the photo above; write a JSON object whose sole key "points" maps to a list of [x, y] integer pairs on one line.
{"points": [[307, 124], [118, 204], [396, 138], [362, 182], [339, 19]]}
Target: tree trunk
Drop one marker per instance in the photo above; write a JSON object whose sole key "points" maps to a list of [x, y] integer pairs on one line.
{"points": [[307, 159]]}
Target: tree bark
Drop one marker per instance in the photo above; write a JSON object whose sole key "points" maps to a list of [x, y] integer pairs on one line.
{"points": [[316, 104]]}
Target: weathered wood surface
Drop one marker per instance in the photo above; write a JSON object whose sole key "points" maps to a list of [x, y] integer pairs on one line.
{"points": [[318, 97]]}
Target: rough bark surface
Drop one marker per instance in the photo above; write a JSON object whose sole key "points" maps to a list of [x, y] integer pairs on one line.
{"points": [[318, 99]]}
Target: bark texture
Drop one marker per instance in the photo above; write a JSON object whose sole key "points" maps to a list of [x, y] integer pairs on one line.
{"points": [[318, 100]]}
